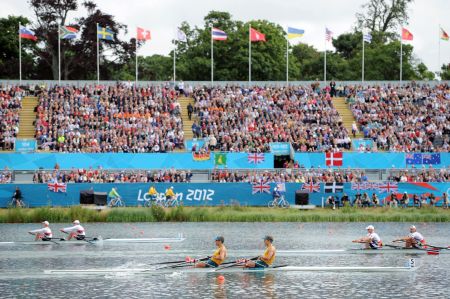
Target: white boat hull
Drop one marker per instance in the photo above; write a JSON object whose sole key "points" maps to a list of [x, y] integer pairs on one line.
{"points": [[99, 241]]}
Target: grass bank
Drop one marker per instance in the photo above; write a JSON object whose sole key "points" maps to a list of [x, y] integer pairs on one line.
{"points": [[223, 214]]}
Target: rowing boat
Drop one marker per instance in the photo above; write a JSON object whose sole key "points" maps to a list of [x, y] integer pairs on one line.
{"points": [[399, 250], [229, 270], [98, 241]]}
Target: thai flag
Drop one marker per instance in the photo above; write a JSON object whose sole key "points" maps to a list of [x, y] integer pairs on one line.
{"points": [[218, 34], [255, 158], [27, 33], [260, 188]]}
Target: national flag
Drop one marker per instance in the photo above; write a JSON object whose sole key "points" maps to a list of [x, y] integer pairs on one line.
{"points": [[218, 34], [57, 187], [334, 159], [294, 33], [260, 187], [220, 159], [26, 33], [406, 34], [412, 159], [328, 34], [67, 32], [431, 159], [143, 34], [311, 187], [256, 36], [367, 37], [255, 158], [388, 187], [443, 35], [105, 33], [334, 187], [358, 186], [181, 36]]}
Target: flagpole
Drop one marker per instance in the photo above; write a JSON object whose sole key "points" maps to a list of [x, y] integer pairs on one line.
{"points": [[174, 58], [98, 57], [212, 58], [136, 80], [20, 57], [325, 62], [401, 57], [59, 55], [249, 56], [362, 67], [287, 61], [439, 50]]}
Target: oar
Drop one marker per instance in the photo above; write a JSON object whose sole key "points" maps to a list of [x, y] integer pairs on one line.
{"points": [[438, 247], [173, 262], [236, 263], [183, 263]]}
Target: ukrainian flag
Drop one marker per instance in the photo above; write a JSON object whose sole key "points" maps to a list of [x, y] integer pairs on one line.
{"points": [[105, 33], [294, 33]]}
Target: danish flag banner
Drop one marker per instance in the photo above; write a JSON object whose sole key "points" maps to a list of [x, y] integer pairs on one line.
{"points": [[334, 159]]}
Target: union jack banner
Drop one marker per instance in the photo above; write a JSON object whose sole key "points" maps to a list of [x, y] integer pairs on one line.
{"points": [[388, 187], [255, 158], [311, 187], [260, 188], [57, 187], [364, 186]]}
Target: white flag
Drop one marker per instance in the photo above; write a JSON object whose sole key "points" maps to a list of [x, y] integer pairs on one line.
{"points": [[181, 36], [367, 37]]}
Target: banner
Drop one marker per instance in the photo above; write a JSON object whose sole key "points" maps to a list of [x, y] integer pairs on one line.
{"points": [[25, 145]]}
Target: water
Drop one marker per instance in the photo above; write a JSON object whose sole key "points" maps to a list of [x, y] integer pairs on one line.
{"points": [[21, 267]]}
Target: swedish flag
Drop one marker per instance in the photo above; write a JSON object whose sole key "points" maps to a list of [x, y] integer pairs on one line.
{"points": [[105, 33]]}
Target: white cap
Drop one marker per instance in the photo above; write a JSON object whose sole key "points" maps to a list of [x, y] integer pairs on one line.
{"points": [[412, 226], [370, 227], [45, 223], [76, 222], [171, 187]]}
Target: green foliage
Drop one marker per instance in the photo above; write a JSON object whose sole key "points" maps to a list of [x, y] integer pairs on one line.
{"points": [[158, 213], [445, 72]]}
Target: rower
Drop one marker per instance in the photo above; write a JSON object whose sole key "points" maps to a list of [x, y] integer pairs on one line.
{"points": [[268, 257], [76, 231], [372, 240], [218, 256], [44, 233], [414, 239]]}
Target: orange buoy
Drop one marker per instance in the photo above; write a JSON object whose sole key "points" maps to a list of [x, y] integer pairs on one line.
{"points": [[167, 247], [220, 278]]}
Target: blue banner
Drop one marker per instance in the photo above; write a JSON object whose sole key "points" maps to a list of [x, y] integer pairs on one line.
{"points": [[25, 145], [188, 144], [280, 148]]}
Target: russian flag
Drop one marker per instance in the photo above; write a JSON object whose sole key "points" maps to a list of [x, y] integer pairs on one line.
{"points": [[26, 33], [218, 34]]}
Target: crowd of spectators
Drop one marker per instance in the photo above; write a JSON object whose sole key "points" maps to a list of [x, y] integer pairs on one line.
{"points": [[421, 175], [6, 176], [115, 118], [111, 176], [236, 119], [411, 118], [10, 105]]}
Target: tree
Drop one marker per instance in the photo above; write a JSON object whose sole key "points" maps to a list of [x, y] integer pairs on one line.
{"points": [[423, 73], [445, 73]]}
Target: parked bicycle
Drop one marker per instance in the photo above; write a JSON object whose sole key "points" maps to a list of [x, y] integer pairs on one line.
{"points": [[279, 202]]}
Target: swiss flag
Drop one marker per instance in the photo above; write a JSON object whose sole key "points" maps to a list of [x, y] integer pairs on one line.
{"points": [[256, 36], [143, 34], [333, 159], [406, 35]]}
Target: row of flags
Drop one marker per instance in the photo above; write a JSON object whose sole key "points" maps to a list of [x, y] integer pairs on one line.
{"points": [[423, 159]]}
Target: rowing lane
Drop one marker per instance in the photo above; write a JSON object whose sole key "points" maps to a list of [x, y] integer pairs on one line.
{"points": [[22, 267]]}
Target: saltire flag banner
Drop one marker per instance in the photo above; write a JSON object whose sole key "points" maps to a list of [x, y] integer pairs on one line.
{"points": [[181, 36], [294, 32], [431, 159], [218, 34], [255, 158], [26, 33], [311, 187], [67, 32], [334, 187], [406, 34], [388, 187], [143, 34], [443, 35], [105, 33], [367, 37], [57, 187], [334, 159], [412, 159], [260, 187], [220, 159], [328, 34], [256, 36]]}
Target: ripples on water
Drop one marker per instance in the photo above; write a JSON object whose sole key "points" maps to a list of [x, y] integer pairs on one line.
{"points": [[21, 274]]}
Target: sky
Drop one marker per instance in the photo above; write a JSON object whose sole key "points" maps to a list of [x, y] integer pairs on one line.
{"points": [[163, 16]]}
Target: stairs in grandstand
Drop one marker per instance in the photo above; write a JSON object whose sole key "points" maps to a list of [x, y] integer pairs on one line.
{"points": [[347, 116], [27, 117], [187, 124]]}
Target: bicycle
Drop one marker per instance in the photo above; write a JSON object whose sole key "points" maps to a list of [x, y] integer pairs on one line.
{"points": [[17, 203], [172, 202], [116, 202], [281, 202], [152, 201]]}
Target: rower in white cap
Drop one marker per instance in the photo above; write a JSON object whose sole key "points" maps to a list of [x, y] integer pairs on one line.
{"points": [[372, 240], [413, 240], [44, 233], [76, 231]]}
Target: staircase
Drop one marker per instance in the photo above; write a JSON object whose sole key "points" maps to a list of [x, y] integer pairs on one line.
{"points": [[27, 117], [347, 116], [187, 124]]}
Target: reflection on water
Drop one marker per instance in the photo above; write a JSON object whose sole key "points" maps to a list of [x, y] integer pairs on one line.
{"points": [[21, 274]]}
